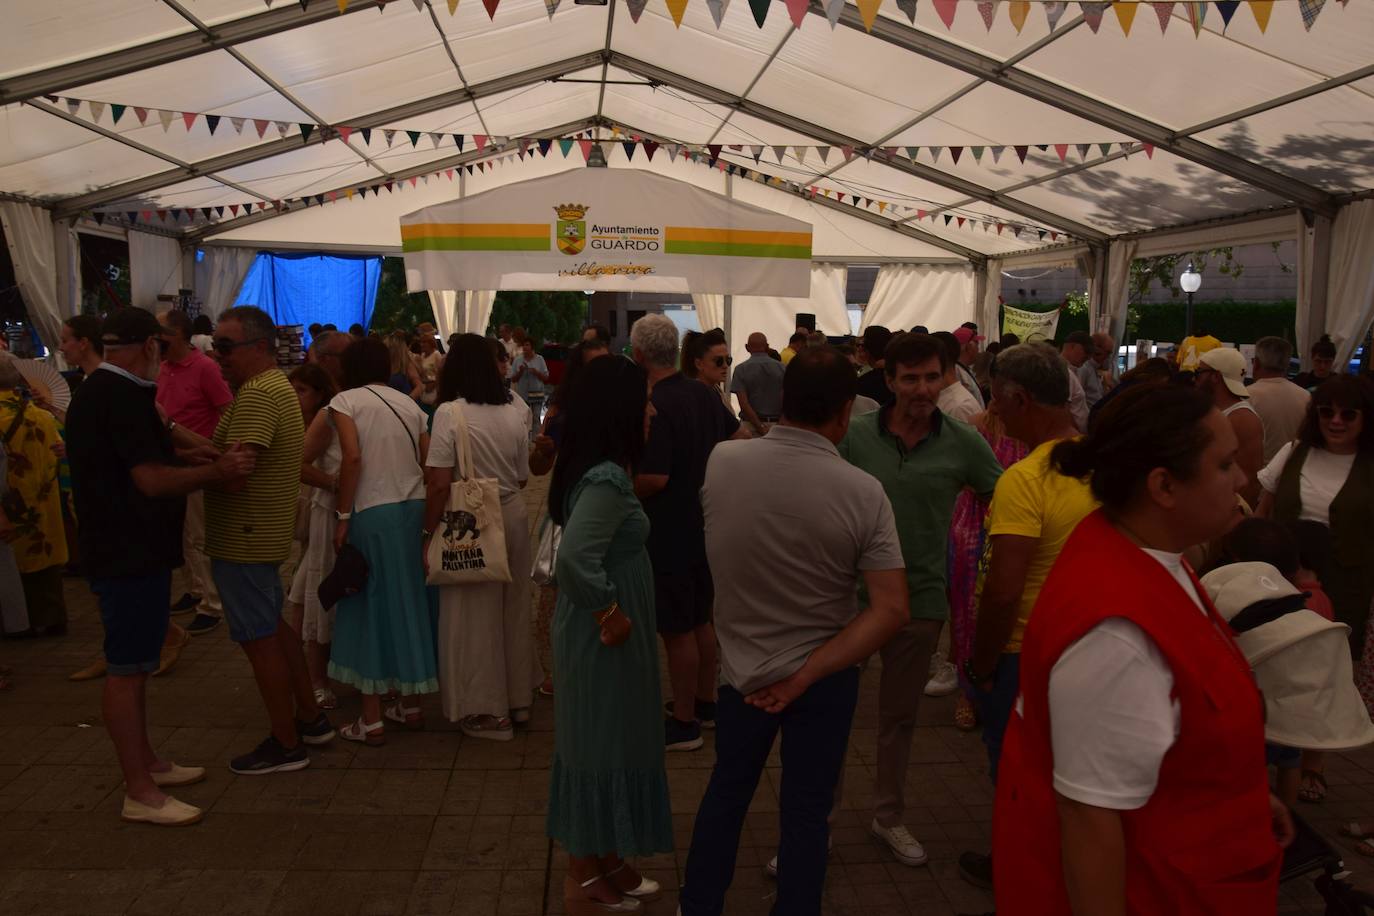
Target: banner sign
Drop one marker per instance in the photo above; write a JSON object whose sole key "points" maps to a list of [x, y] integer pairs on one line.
{"points": [[606, 229], [1030, 326]]}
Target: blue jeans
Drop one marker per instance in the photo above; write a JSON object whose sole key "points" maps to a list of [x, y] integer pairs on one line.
{"points": [[815, 732], [995, 706]]}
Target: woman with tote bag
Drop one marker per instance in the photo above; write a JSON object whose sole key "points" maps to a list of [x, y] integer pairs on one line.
{"points": [[487, 673]]}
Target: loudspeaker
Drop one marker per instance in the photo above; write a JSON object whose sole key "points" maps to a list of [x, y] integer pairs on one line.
{"points": [[806, 320]]}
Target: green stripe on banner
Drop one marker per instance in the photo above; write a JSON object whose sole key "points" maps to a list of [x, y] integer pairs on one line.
{"points": [[449, 243], [737, 250]]}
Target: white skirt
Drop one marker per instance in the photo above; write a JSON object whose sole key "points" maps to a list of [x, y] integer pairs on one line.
{"points": [[317, 561]]}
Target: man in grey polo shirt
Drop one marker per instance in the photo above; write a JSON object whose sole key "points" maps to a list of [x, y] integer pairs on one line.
{"points": [[790, 630], [757, 383]]}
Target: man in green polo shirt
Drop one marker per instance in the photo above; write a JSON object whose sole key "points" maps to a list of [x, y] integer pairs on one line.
{"points": [[923, 459]]}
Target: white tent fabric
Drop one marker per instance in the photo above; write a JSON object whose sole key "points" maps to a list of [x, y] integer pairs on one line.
{"points": [[444, 302], [776, 316], [1115, 302], [990, 308], [29, 234], [461, 311], [219, 276], [154, 269], [1351, 303], [906, 295], [477, 310], [710, 310]]}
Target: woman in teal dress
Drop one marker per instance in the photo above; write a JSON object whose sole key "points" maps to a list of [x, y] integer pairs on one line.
{"points": [[608, 790]]}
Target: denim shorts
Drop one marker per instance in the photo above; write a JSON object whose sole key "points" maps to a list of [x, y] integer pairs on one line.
{"points": [[252, 597], [134, 610]]}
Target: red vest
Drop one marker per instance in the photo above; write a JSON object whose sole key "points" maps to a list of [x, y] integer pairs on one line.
{"points": [[1203, 843]]}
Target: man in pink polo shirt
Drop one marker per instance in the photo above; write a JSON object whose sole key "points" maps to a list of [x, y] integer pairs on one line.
{"points": [[192, 392]]}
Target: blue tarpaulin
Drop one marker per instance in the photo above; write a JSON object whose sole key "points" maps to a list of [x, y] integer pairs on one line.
{"points": [[302, 288]]}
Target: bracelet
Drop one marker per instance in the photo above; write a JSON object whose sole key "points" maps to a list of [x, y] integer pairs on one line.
{"points": [[343, 516], [606, 614]]}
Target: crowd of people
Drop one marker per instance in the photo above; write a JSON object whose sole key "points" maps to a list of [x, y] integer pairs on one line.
{"points": [[1107, 549]]}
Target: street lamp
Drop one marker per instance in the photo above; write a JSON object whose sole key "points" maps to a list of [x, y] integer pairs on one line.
{"points": [[1191, 281]]}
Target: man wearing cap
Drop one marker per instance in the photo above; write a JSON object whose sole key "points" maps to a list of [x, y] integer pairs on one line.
{"points": [[969, 338], [130, 493], [1221, 373], [757, 382], [1078, 351], [191, 392]]}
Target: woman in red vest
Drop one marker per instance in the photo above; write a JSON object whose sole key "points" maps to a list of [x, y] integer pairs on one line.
{"points": [[1132, 779]]}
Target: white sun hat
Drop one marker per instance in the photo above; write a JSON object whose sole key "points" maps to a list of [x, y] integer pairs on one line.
{"points": [[1301, 660]]}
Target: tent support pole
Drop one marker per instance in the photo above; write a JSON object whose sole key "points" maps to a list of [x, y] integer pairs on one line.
{"points": [[728, 314]]}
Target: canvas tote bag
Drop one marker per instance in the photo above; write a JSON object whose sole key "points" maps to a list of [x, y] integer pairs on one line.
{"points": [[469, 545]]}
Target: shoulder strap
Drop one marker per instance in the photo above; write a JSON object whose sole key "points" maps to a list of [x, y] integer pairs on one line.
{"points": [[464, 440], [399, 419]]}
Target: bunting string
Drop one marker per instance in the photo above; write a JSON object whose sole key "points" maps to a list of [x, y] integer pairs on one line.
{"points": [[906, 210], [988, 11]]}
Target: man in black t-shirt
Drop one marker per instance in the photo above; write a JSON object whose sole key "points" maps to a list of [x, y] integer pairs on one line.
{"points": [[129, 493], [689, 420], [873, 383]]}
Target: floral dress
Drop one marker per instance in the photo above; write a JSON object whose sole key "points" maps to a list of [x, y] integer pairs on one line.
{"points": [[34, 502]]}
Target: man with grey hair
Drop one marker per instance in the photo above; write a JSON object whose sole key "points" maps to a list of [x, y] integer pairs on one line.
{"points": [[689, 420], [1281, 405], [326, 350], [1033, 512]]}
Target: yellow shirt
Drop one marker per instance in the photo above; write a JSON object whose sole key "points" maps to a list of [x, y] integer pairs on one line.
{"points": [[257, 524], [1033, 500], [1191, 350], [34, 501], [787, 355]]}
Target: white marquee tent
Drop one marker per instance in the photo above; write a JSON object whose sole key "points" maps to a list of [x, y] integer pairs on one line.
{"points": [[943, 140]]}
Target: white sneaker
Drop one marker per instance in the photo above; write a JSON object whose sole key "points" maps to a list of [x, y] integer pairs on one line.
{"points": [[944, 679], [903, 845], [771, 869]]}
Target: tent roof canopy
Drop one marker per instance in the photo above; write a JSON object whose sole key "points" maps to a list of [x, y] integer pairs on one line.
{"points": [[964, 140]]}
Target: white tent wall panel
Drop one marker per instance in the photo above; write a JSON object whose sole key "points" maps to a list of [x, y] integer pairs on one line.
{"points": [[43, 156], [776, 316], [72, 30]]}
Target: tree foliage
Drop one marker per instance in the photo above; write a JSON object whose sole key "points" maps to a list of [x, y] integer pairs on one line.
{"points": [[545, 316], [396, 309]]}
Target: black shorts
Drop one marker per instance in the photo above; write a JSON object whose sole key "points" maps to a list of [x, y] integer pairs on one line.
{"points": [[134, 610], [683, 600]]}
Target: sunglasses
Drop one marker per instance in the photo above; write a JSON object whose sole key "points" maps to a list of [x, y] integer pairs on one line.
{"points": [[720, 361], [224, 346], [1347, 414]]}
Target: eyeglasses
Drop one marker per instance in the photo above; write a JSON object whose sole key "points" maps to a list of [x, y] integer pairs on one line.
{"points": [[723, 361], [224, 346], [1347, 414]]}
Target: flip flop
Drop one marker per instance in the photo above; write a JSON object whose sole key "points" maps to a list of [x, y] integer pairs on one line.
{"points": [[1315, 791]]}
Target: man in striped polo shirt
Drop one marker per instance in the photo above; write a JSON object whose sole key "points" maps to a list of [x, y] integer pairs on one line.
{"points": [[248, 532]]}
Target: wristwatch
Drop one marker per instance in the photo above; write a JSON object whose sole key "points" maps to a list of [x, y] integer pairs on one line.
{"points": [[972, 676]]}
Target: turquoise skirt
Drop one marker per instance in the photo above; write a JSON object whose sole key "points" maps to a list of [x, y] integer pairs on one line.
{"points": [[384, 635]]}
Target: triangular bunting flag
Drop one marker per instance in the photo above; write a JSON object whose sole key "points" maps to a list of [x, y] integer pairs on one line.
{"points": [[566, 146], [946, 10], [117, 112], [1311, 9], [847, 152], [1092, 13], [491, 6], [586, 147], [920, 215], [219, 211], [234, 209], [868, 11], [1018, 10], [165, 118], [1062, 151], [824, 153], [238, 124], [636, 8], [1054, 11], [977, 154], [758, 7], [349, 192], [389, 136], [551, 7], [833, 9], [948, 219], [997, 154], [458, 141], [779, 152], [344, 133], [675, 9], [757, 152], [935, 153], [1227, 8], [960, 221], [282, 128], [955, 152], [99, 218], [1083, 150], [988, 10], [1105, 148], [1197, 15], [1262, 10], [414, 136], [718, 7], [714, 149], [212, 121], [650, 147], [189, 119], [412, 184], [97, 109], [162, 215], [1149, 150], [261, 126], [1164, 11], [362, 192], [73, 106], [546, 145], [908, 7], [1021, 152], [142, 114], [629, 146], [1125, 14], [436, 139], [481, 141], [306, 131]]}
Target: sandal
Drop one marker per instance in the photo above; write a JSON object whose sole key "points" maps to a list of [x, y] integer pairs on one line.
{"points": [[409, 716], [577, 903], [373, 735], [325, 699], [965, 716], [1314, 787], [645, 889], [489, 727]]}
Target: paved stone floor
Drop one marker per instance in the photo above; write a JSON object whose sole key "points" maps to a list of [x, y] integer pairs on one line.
{"points": [[432, 822]]}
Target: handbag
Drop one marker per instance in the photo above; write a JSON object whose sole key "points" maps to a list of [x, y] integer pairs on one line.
{"points": [[469, 546], [546, 553]]}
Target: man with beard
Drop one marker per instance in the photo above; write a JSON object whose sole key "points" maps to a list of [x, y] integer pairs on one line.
{"points": [[923, 462]]}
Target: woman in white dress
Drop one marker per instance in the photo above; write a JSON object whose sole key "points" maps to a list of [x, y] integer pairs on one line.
{"points": [[319, 481], [430, 362], [487, 673]]}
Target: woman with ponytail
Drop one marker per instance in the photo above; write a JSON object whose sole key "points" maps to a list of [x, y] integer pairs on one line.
{"points": [[1139, 734]]}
